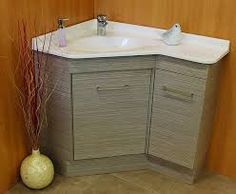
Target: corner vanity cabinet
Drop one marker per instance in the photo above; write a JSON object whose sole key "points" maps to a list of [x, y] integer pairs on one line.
{"points": [[128, 113]]}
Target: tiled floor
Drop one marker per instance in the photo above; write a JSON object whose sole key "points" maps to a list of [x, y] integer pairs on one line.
{"points": [[137, 182]]}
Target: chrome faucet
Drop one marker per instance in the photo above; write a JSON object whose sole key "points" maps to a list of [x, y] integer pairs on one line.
{"points": [[101, 25]]}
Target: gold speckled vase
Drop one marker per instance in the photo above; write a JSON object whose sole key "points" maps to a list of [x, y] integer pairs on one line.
{"points": [[37, 171]]}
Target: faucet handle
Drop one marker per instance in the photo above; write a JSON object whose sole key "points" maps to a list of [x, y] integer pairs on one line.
{"points": [[61, 22], [102, 18]]}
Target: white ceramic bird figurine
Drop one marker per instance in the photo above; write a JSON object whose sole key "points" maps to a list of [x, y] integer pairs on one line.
{"points": [[173, 36]]}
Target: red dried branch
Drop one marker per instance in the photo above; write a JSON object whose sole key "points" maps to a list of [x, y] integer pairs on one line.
{"points": [[32, 79]]}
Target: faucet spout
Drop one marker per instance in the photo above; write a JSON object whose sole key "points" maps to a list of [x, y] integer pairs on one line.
{"points": [[101, 25]]}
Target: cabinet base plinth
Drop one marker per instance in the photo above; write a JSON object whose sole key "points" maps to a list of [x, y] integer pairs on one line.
{"points": [[124, 163], [102, 165], [173, 170]]}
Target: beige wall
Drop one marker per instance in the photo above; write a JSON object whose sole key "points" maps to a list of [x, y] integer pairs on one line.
{"points": [[207, 17]]}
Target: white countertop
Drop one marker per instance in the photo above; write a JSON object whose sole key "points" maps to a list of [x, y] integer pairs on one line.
{"points": [[195, 48]]}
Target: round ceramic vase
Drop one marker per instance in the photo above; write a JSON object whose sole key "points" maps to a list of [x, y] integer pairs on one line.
{"points": [[37, 171]]}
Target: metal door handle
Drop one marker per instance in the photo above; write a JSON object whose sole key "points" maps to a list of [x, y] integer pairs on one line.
{"points": [[179, 94], [100, 88]]}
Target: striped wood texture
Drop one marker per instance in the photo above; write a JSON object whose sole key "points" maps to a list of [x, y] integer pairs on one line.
{"points": [[176, 117], [101, 108], [110, 113]]}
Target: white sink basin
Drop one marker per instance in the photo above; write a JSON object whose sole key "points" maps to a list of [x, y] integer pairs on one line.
{"points": [[130, 40], [105, 44]]}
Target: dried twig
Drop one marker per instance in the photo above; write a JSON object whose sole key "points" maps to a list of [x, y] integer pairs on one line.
{"points": [[32, 83]]}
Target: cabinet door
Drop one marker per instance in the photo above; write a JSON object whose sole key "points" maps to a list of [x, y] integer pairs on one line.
{"points": [[110, 113], [176, 118]]}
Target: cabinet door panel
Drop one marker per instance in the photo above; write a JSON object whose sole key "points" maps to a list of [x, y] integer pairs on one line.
{"points": [[110, 113], [176, 117]]}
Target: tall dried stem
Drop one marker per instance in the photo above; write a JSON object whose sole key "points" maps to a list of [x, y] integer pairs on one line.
{"points": [[32, 83]]}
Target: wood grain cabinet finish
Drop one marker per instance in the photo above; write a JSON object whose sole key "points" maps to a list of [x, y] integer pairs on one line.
{"points": [[176, 117], [183, 95], [110, 113], [129, 113]]}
